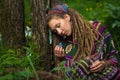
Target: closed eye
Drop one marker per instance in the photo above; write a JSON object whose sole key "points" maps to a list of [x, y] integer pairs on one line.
{"points": [[57, 25]]}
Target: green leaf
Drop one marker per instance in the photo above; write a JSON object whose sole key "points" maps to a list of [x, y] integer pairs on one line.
{"points": [[56, 69]]}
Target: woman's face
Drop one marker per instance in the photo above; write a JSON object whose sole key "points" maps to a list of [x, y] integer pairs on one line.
{"points": [[61, 26]]}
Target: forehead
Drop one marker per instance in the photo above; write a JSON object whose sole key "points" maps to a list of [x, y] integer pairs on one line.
{"points": [[53, 22]]}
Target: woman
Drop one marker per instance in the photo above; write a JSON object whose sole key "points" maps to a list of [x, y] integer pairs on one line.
{"points": [[88, 48]]}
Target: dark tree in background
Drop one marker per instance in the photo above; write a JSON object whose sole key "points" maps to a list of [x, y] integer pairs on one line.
{"points": [[12, 26], [40, 30], [12, 23], [1, 11], [53, 2]]}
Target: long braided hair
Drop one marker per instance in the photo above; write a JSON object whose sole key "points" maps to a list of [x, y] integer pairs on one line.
{"points": [[82, 31]]}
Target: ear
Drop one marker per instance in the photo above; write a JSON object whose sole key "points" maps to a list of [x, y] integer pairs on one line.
{"points": [[67, 17]]}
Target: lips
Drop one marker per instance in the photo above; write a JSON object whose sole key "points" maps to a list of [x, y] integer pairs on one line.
{"points": [[64, 33]]}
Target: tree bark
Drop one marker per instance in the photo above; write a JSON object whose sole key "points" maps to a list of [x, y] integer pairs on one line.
{"points": [[1, 10], [12, 28], [40, 30], [54, 2]]}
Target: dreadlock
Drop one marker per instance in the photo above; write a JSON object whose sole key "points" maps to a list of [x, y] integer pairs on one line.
{"points": [[82, 31]]}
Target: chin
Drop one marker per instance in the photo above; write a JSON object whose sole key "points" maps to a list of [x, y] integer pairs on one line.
{"points": [[68, 34]]}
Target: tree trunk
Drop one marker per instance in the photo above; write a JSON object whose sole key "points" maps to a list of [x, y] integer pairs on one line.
{"points": [[40, 30], [1, 18], [12, 28], [1, 10], [54, 2]]}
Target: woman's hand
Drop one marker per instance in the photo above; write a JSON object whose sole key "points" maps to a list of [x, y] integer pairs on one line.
{"points": [[59, 51], [97, 66]]}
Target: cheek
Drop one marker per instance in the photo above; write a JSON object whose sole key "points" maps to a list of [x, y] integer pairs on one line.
{"points": [[69, 27], [50, 26]]}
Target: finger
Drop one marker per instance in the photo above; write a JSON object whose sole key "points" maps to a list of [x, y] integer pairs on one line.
{"points": [[97, 68], [60, 52], [63, 54], [96, 63], [56, 50]]}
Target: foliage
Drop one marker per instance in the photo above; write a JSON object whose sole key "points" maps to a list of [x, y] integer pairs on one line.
{"points": [[0, 41], [31, 63], [113, 24], [91, 9], [64, 70], [10, 64], [114, 16], [13, 66]]}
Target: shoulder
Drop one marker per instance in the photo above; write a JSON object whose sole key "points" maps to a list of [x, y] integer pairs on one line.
{"points": [[98, 26]]}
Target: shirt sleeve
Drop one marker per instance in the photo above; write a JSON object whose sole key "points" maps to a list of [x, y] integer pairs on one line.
{"points": [[105, 48], [109, 51]]}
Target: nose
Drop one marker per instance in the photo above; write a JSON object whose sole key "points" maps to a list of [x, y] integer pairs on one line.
{"points": [[59, 31]]}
